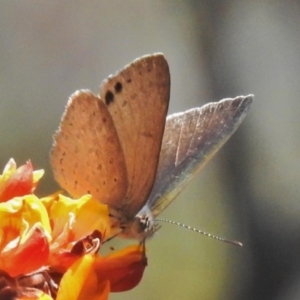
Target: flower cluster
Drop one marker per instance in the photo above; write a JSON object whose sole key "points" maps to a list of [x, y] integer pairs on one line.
{"points": [[49, 246]]}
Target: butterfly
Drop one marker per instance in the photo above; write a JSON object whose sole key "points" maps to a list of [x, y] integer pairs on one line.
{"points": [[120, 146]]}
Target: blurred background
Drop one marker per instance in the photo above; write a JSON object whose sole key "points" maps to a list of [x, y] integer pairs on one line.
{"points": [[216, 49]]}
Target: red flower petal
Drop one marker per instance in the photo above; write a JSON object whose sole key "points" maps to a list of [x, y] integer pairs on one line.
{"points": [[124, 269], [61, 260], [20, 183], [26, 257]]}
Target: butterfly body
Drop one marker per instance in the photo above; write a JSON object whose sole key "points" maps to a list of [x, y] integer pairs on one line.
{"points": [[122, 149]]}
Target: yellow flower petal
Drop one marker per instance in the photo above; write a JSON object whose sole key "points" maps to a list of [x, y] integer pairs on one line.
{"points": [[82, 216], [80, 282], [19, 215]]}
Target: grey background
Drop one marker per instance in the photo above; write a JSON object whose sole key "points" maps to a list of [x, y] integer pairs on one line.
{"points": [[216, 49]]}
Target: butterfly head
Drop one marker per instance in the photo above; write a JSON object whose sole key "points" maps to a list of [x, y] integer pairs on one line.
{"points": [[141, 227]]}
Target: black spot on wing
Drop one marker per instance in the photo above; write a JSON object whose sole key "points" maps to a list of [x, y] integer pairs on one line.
{"points": [[109, 97], [118, 87]]}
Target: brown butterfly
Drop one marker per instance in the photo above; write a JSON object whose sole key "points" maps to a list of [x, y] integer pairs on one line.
{"points": [[120, 147]]}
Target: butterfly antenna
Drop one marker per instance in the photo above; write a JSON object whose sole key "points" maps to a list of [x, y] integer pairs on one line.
{"points": [[236, 243]]}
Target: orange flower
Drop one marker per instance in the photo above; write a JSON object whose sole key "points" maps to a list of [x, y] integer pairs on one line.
{"points": [[93, 277], [18, 182], [49, 246]]}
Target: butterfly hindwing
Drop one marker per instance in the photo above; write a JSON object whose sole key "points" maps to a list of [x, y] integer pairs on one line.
{"points": [[190, 139], [86, 155]]}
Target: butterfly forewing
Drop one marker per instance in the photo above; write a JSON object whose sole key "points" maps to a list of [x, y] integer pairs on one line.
{"points": [[137, 98], [86, 155], [190, 139]]}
